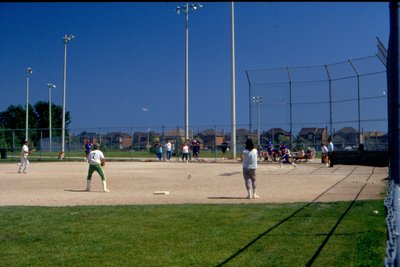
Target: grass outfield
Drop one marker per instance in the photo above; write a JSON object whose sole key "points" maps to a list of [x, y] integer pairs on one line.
{"points": [[317, 234]]}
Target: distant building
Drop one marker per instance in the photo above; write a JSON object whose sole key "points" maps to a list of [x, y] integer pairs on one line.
{"points": [[275, 135], [117, 140], [345, 137], [143, 140], [313, 136], [210, 138], [89, 136]]}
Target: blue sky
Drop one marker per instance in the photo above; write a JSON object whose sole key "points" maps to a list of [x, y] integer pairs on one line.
{"points": [[128, 56]]}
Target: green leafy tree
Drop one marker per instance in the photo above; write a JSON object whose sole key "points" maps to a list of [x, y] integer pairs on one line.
{"points": [[42, 112], [12, 122]]}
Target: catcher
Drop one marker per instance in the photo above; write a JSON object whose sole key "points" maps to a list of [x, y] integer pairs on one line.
{"points": [[96, 162]]}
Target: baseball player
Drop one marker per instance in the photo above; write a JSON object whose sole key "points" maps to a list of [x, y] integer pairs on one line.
{"points": [[24, 157], [249, 164], [96, 161]]}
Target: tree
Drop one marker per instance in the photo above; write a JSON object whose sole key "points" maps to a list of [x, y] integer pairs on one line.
{"points": [[42, 112], [12, 122]]}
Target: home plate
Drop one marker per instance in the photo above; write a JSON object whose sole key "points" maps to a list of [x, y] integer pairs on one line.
{"points": [[161, 193]]}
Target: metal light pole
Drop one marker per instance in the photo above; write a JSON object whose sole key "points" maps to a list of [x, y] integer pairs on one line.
{"points": [[258, 100], [233, 134], [66, 39], [29, 72], [186, 9], [50, 86]]}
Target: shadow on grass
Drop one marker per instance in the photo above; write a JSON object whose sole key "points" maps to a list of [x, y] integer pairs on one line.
{"points": [[311, 261]]}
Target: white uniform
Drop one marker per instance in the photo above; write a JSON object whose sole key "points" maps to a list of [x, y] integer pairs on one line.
{"points": [[24, 158], [95, 157]]}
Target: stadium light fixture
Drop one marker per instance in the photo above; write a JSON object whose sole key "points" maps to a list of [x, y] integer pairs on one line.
{"points": [[50, 86], [29, 73], [66, 38], [185, 9]]}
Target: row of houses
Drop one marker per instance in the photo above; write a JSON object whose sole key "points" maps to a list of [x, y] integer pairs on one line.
{"points": [[210, 138]]}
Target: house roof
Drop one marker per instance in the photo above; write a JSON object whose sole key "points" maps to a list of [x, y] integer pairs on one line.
{"points": [[122, 134], [347, 130], [277, 131], [306, 131]]}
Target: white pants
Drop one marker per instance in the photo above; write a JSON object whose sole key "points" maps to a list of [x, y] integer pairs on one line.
{"points": [[24, 163]]}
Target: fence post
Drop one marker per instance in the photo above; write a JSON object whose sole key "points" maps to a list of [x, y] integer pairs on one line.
{"points": [[248, 80], [215, 142], [132, 144], [393, 110], [330, 99], [358, 101], [290, 109]]}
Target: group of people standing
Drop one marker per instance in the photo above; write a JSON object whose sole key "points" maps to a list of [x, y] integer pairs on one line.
{"points": [[185, 150]]}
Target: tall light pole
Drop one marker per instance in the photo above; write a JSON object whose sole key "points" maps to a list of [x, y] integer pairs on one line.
{"points": [[186, 8], [233, 134], [66, 39], [29, 72], [50, 86], [258, 100]]}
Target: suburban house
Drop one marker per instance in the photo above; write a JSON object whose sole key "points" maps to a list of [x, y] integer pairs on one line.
{"points": [[313, 136], [144, 140], [346, 136], [88, 136], [210, 138], [274, 135], [117, 140]]}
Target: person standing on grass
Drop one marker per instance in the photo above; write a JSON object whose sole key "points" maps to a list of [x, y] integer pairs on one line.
{"points": [[96, 162], [24, 157], [249, 162]]}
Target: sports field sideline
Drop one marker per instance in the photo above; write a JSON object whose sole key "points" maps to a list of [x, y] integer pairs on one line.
{"points": [[63, 183]]}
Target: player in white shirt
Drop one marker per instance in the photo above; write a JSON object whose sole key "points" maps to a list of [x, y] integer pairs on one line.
{"points": [[168, 148], [249, 157], [185, 153], [96, 161], [24, 157]]}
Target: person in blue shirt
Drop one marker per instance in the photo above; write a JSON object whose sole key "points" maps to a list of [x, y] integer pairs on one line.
{"points": [[159, 151], [87, 147]]}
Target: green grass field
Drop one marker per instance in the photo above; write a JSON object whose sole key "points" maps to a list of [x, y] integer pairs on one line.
{"points": [[317, 234]]}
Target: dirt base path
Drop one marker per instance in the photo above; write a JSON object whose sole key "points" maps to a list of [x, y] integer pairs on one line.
{"points": [[63, 183]]}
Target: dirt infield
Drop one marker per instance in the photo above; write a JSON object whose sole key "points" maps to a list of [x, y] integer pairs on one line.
{"points": [[63, 183]]}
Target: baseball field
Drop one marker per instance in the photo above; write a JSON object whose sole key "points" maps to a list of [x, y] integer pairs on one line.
{"points": [[196, 214], [63, 183]]}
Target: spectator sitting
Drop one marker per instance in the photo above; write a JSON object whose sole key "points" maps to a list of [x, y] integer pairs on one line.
{"points": [[287, 158], [310, 152], [300, 154]]}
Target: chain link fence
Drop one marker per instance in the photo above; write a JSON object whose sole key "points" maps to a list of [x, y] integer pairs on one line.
{"points": [[346, 101]]}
